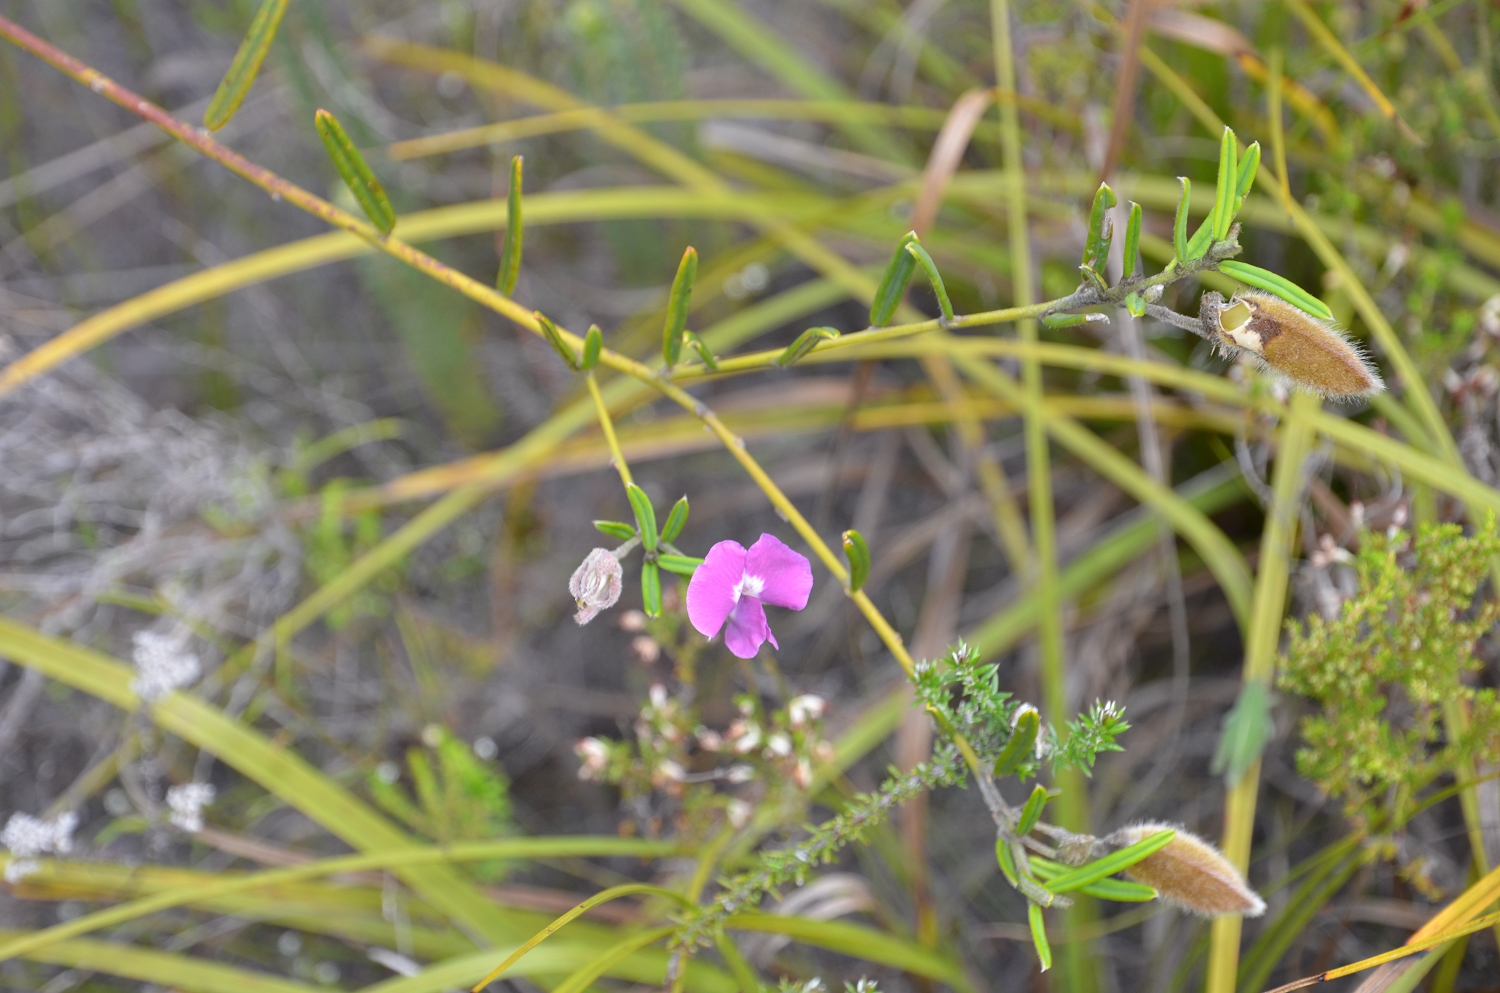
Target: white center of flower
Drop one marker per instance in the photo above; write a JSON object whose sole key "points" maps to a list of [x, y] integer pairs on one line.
{"points": [[748, 586]]}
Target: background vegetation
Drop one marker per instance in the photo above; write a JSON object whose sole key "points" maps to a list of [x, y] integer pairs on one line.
{"points": [[356, 496]]}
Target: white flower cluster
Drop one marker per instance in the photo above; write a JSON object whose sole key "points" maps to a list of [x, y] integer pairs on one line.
{"points": [[187, 802], [28, 837], [162, 664]]}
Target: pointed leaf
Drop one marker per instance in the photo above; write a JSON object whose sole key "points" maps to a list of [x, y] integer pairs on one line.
{"points": [[1281, 286], [857, 551], [1064, 320], [510, 252], [245, 66], [1007, 860], [1136, 304], [651, 589], [555, 338], [1033, 809], [1039, 935], [806, 342], [1025, 727], [675, 520], [593, 344], [933, 276], [683, 565], [704, 352], [1245, 173], [1247, 729], [615, 529], [1132, 240], [1224, 193], [1179, 224], [677, 307], [645, 517], [1096, 246], [893, 283], [356, 172], [1112, 863]]}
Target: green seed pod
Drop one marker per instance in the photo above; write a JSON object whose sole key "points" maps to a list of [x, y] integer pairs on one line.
{"points": [[893, 283], [651, 589], [356, 172], [857, 551], [1033, 809], [245, 66], [1310, 352], [675, 520], [510, 251], [677, 307], [1024, 728]]}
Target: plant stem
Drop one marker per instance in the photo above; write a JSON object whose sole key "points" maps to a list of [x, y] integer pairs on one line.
{"points": [[608, 426]]}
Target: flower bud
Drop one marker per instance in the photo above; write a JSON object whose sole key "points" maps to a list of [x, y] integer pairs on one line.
{"points": [[596, 584], [1190, 873]]}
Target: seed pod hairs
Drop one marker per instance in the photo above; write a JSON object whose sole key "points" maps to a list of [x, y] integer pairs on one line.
{"points": [[1190, 873], [1311, 352]]}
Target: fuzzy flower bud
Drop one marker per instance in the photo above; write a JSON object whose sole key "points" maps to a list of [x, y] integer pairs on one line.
{"points": [[187, 802], [1190, 873], [596, 584]]}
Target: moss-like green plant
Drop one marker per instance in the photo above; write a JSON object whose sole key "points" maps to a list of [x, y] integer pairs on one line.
{"points": [[1383, 671]]}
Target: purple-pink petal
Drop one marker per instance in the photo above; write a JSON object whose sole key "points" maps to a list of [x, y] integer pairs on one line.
{"points": [[748, 629], [711, 592], [786, 573]]}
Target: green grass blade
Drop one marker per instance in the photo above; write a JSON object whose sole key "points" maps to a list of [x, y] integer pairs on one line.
{"points": [[245, 65], [859, 941]]}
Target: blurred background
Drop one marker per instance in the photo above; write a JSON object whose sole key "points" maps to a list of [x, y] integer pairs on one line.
{"points": [[199, 474]]}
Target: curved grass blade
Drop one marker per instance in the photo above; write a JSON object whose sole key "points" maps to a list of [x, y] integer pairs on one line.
{"points": [[356, 172], [245, 66], [1132, 240], [613, 893], [881, 947], [1224, 192], [677, 307], [1289, 291], [893, 283], [581, 979], [806, 342], [510, 253], [1110, 864], [933, 276]]}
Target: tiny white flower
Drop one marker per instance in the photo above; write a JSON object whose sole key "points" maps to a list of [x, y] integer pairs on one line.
{"points": [[741, 773], [187, 802], [746, 736], [596, 584], [710, 740], [646, 648], [779, 745], [594, 754], [802, 775], [26, 837], [804, 708], [738, 812], [668, 771], [162, 664], [657, 695]]}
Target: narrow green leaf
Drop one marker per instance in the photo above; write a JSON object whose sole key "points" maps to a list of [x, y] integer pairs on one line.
{"points": [[615, 529], [1033, 809], [675, 520], [1039, 935], [645, 517], [555, 338], [677, 307], [1136, 304], [355, 172], [1064, 320], [245, 65], [682, 565], [1247, 729], [1112, 863], [1245, 174], [1179, 224], [651, 589], [1024, 728], [704, 352], [1132, 240], [1224, 193], [593, 344], [1096, 245], [893, 283], [857, 551], [1120, 890], [1201, 239], [806, 342], [933, 276], [1281, 286], [1007, 860], [510, 251], [738, 967]]}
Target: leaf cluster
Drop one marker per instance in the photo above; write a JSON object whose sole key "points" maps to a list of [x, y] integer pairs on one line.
{"points": [[1382, 671]]}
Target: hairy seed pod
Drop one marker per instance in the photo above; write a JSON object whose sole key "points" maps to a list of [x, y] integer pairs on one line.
{"points": [[1311, 352], [1190, 873]]}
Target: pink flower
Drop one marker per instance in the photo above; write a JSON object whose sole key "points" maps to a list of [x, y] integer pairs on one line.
{"points": [[733, 584]]}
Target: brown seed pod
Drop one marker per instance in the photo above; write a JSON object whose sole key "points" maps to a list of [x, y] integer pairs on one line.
{"points": [[1190, 873], [1311, 352]]}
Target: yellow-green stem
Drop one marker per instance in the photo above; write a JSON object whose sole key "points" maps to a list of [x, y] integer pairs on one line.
{"points": [[607, 425]]}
